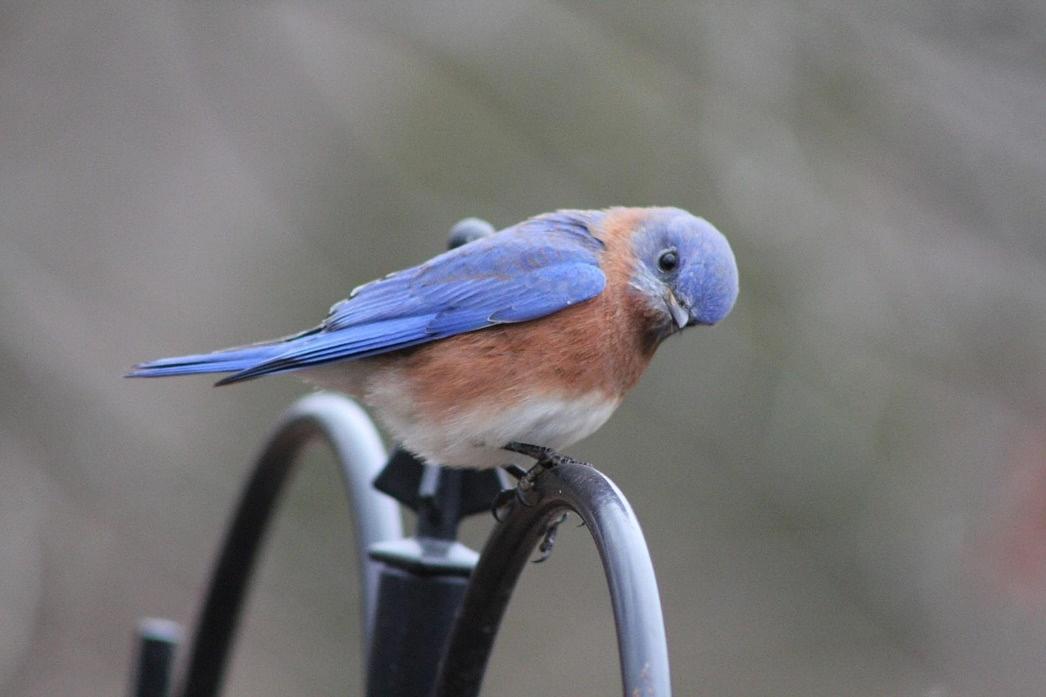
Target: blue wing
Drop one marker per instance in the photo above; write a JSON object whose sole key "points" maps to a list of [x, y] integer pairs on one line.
{"points": [[528, 271]]}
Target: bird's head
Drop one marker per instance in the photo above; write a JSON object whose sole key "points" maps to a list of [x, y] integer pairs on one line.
{"points": [[685, 269]]}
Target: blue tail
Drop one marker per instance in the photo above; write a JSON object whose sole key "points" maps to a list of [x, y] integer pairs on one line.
{"points": [[227, 361]]}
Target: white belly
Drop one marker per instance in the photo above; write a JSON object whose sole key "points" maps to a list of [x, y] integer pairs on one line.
{"points": [[472, 437]]}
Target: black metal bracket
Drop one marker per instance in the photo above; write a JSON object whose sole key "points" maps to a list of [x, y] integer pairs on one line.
{"points": [[423, 578], [440, 496]]}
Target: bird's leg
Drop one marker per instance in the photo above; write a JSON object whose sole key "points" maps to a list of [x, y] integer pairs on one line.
{"points": [[546, 457], [507, 497]]}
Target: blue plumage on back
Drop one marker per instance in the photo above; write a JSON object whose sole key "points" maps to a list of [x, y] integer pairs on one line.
{"points": [[531, 270]]}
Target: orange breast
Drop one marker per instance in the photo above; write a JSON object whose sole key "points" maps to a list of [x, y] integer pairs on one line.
{"points": [[600, 346]]}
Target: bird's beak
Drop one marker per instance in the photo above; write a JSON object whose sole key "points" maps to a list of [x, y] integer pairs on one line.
{"points": [[680, 315]]}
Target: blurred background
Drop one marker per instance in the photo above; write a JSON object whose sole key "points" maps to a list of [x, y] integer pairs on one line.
{"points": [[843, 485]]}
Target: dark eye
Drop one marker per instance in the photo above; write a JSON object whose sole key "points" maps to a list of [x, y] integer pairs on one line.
{"points": [[668, 261]]}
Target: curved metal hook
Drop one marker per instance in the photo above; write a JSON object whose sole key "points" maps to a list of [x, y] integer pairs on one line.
{"points": [[641, 641], [360, 454]]}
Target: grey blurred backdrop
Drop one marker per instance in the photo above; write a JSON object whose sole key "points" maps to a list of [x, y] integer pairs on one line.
{"points": [[844, 485]]}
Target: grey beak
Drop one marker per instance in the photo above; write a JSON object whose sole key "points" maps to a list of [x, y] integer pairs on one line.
{"points": [[680, 315]]}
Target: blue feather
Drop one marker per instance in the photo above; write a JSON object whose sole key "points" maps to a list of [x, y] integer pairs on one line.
{"points": [[528, 271], [229, 360]]}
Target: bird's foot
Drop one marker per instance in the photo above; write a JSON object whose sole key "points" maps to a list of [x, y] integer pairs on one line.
{"points": [[506, 498], [548, 541], [547, 458]]}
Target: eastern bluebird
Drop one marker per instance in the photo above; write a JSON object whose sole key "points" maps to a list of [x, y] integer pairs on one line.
{"points": [[531, 335]]}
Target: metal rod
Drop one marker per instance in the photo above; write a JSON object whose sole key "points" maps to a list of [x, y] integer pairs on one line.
{"points": [[626, 561], [360, 454], [158, 639]]}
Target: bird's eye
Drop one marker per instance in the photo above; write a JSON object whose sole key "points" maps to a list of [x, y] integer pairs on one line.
{"points": [[668, 261]]}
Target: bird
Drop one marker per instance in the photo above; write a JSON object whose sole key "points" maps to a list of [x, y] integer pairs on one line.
{"points": [[510, 347]]}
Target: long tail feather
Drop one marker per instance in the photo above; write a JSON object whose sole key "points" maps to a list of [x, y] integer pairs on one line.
{"points": [[227, 361]]}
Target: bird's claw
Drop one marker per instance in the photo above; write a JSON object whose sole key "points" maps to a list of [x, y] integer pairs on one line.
{"points": [[549, 539], [507, 498], [547, 458], [501, 504]]}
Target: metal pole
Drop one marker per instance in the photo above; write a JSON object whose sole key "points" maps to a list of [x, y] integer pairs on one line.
{"points": [[352, 436], [626, 561], [423, 577], [157, 641]]}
